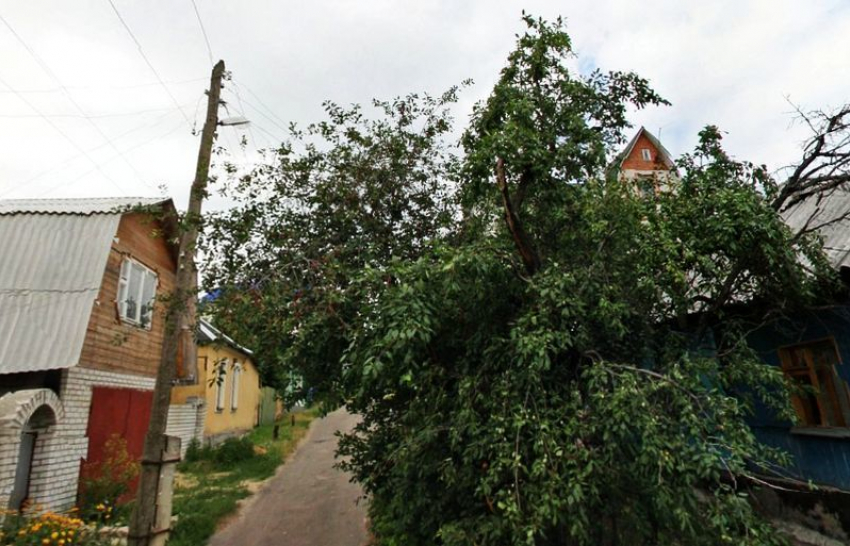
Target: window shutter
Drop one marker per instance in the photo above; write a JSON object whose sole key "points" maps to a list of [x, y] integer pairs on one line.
{"points": [[234, 392], [221, 381]]}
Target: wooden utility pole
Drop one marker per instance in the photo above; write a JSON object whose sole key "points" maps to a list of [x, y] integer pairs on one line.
{"points": [[148, 524]]}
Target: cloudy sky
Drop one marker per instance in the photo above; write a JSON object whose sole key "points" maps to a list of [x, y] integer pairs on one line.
{"points": [[83, 113]]}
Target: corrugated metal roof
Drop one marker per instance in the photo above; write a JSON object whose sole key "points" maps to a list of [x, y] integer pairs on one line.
{"points": [[209, 334], [52, 257], [822, 214], [106, 205]]}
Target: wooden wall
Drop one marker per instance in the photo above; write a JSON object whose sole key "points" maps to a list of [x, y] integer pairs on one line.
{"points": [[119, 347]]}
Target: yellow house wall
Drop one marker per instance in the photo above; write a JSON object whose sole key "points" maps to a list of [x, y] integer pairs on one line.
{"points": [[244, 417]]}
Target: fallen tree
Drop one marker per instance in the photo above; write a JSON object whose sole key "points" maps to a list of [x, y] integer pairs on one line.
{"points": [[540, 354]]}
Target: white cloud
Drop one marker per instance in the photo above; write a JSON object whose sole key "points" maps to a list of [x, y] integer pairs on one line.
{"points": [[726, 62]]}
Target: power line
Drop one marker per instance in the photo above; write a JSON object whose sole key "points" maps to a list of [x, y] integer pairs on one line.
{"points": [[77, 156], [203, 31], [276, 124], [44, 66], [242, 108], [259, 100], [147, 61], [63, 133], [104, 87], [90, 116], [75, 180]]}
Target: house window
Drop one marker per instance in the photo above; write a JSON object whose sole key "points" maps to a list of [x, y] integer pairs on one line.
{"points": [[220, 382], [234, 386], [823, 398], [646, 154], [136, 293], [646, 185]]}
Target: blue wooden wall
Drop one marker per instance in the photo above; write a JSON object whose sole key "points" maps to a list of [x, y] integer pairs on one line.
{"points": [[823, 460]]}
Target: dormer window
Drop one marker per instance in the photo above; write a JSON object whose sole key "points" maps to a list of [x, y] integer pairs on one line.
{"points": [[136, 293], [646, 154]]}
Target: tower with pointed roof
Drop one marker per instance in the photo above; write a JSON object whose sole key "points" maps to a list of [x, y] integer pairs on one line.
{"points": [[645, 163]]}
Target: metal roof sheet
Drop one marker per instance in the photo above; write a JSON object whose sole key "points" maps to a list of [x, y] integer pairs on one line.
{"points": [[831, 216], [106, 205], [209, 334], [53, 254]]}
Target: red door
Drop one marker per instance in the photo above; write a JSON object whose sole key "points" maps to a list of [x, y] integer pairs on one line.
{"points": [[125, 412]]}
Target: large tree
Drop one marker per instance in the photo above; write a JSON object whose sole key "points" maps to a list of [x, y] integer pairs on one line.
{"points": [[540, 354]]}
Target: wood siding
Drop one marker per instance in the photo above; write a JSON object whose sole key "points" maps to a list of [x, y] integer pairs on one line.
{"points": [[111, 344]]}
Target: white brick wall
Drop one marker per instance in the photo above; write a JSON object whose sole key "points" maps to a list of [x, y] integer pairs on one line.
{"points": [[56, 460]]}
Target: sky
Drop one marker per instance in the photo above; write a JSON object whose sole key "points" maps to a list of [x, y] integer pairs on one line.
{"points": [[91, 106]]}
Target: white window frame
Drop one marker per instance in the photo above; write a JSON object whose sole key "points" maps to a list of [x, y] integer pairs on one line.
{"points": [[142, 314], [234, 386], [646, 154], [220, 383]]}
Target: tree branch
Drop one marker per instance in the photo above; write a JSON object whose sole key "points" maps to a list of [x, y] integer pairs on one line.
{"points": [[529, 255]]}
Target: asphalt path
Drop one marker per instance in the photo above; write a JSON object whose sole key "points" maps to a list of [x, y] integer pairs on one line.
{"points": [[308, 502]]}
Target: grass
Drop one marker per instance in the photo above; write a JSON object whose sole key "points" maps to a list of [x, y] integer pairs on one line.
{"points": [[207, 492]]}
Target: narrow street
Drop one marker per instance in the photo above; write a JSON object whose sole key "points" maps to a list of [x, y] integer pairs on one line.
{"points": [[308, 503]]}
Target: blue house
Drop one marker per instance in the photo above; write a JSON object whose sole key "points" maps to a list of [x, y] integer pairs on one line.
{"points": [[813, 350]]}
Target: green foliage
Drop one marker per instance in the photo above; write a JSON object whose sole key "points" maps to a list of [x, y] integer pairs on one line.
{"points": [[595, 394], [233, 451], [344, 194], [108, 480], [195, 452], [230, 452]]}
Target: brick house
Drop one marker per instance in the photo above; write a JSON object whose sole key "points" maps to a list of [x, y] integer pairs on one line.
{"points": [[80, 338], [644, 163]]}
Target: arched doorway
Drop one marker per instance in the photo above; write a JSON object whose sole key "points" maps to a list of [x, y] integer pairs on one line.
{"points": [[27, 418]]}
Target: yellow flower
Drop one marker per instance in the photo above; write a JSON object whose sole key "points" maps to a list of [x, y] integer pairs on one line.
{"points": [[45, 541], [61, 542], [54, 535]]}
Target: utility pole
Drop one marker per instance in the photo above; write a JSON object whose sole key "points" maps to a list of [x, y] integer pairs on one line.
{"points": [[149, 522]]}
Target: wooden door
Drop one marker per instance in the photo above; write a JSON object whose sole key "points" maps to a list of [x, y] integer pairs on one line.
{"points": [[20, 491], [125, 412]]}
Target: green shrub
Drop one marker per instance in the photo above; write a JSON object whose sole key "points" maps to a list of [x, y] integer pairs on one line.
{"points": [[110, 479], [234, 450], [197, 452]]}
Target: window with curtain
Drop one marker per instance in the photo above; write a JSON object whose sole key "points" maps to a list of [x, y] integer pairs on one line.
{"points": [[136, 293]]}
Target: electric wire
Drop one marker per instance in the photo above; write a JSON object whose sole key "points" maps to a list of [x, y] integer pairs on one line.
{"points": [[114, 157], [242, 108], [156, 122], [47, 70], [104, 87], [90, 116], [65, 135], [256, 109], [147, 61], [204, 32], [260, 101]]}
